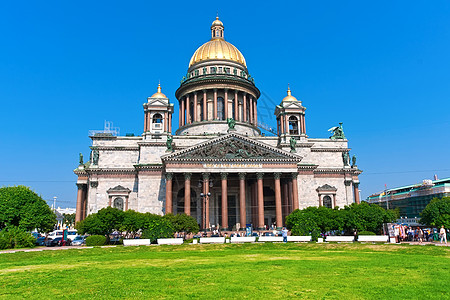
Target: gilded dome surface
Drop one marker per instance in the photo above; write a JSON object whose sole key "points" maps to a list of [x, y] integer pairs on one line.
{"points": [[158, 94], [217, 48], [289, 96]]}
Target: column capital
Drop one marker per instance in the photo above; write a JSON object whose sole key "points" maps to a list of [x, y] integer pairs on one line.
{"points": [[169, 176], [80, 185], [294, 175], [242, 175], [259, 175], [206, 176], [187, 176], [224, 175], [277, 175], [356, 184]]}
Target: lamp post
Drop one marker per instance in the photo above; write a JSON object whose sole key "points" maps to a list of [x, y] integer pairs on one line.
{"points": [[205, 201]]}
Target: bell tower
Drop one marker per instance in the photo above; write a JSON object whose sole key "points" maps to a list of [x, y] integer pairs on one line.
{"points": [[290, 118], [157, 115]]}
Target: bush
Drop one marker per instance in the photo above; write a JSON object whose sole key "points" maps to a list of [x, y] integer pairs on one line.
{"points": [[157, 227], [95, 240], [14, 237], [366, 233]]}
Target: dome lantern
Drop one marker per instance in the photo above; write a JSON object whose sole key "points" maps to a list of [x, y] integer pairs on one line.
{"points": [[217, 29]]}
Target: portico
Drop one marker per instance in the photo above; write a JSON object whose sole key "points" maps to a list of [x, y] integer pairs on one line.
{"points": [[244, 180]]}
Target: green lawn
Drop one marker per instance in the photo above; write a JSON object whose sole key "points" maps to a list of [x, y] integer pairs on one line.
{"points": [[255, 271]]}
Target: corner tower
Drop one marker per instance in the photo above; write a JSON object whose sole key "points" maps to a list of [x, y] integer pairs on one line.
{"points": [[217, 86], [157, 115]]}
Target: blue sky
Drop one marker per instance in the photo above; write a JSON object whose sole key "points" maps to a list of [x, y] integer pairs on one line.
{"points": [[380, 67]]}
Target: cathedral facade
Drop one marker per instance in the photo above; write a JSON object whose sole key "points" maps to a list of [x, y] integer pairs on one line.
{"points": [[218, 167]]}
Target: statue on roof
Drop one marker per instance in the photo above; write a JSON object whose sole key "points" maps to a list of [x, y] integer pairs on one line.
{"points": [[169, 143], [95, 156], [292, 144], [345, 158], [353, 160], [81, 159], [231, 123], [338, 132]]}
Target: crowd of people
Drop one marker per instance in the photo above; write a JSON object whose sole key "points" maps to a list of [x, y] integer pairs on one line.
{"points": [[404, 233]]}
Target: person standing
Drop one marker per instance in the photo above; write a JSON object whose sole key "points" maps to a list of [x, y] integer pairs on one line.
{"points": [[284, 233], [419, 235], [443, 234]]}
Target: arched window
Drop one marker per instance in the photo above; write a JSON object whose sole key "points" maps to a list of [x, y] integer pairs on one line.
{"points": [[191, 112], [118, 203], [220, 109], [201, 109], [293, 125], [233, 109], [327, 201], [157, 118]]}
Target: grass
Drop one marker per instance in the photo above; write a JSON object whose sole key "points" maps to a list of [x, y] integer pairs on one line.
{"points": [[310, 271]]}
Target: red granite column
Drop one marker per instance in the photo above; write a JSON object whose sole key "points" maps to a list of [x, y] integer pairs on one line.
{"points": [[254, 201], [290, 195], [79, 211], [251, 110], [83, 202], [169, 206], [170, 123], [224, 201], [145, 121], [206, 191], [304, 124], [205, 108], [182, 112], [188, 110], [295, 204], [236, 106], [215, 105], [242, 215], [187, 193], [226, 104], [195, 107], [260, 200], [244, 115], [356, 191], [255, 112], [278, 213], [282, 123], [166, 122], [285, 202]]}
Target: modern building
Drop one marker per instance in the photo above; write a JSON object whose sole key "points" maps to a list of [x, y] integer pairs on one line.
{"points": [[218, 167], [412, 199]]}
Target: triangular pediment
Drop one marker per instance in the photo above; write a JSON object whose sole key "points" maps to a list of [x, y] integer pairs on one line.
{"points": [[232, 147], [292, 104], [158, 102]]}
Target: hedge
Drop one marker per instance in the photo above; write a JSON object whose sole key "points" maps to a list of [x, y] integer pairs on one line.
{"points": [[95, 240]]}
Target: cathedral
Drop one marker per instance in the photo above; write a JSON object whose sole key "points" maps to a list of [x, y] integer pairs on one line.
{"points": [[218, 166]]}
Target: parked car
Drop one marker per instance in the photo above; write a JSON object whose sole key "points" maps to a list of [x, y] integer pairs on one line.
{"points": [[58, 241], [40, 241], [55, 234], [78, 241], [269, 234]]}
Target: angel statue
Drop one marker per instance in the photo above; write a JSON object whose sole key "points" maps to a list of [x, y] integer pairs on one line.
{"points": [[81, 159], [338, 132], [292, 144], [169, 143], [231, 123], [354, 160]]}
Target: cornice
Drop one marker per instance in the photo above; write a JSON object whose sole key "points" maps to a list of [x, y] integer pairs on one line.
{"points": [[330, 149], [114, 148], [111, 171]]}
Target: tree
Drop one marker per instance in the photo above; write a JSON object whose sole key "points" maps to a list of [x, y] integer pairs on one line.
{"points": [[437, 213], [69, 219], [132, 222], [104, 222], [156, 226], [183, 223], [21, 207], [366, 217]]}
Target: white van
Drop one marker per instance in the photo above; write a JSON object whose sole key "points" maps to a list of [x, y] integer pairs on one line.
{"points": [[55, 234], [72, 234]]}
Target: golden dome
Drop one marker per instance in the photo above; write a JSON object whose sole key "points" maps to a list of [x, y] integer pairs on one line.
{"points": [[217, 22], [289, 97], [158, 94], [217, 48]]}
